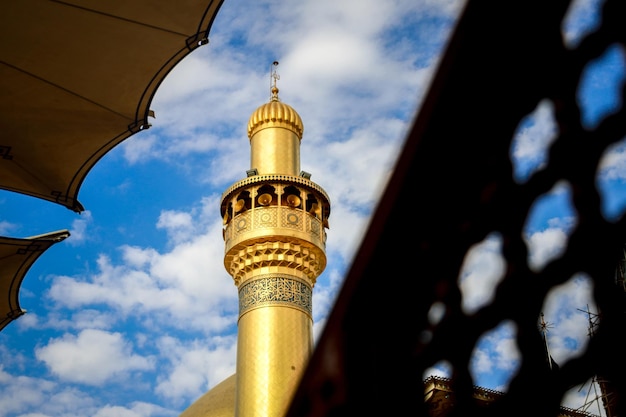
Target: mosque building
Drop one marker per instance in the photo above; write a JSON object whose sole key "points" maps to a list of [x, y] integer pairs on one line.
{"points": [[274, 234]]}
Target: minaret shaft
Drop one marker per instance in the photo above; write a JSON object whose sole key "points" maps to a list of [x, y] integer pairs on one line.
{"points": [[275, 271], [273, 347], [274, 233], [275, 151]]}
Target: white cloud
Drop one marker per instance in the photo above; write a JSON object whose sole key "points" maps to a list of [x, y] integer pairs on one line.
{"points": [[34, 415], [22, 392], [613, 163], [29, 320], [376, 144], [586, 397], [187, 287], [136, 409], [195, 367], [79, 230], [533, 139], [87, 318], [483, 268], [496, 356], [325, 291], [178, 224], [571, 305], [81, 358], [141, 147], [545, 246], [6, 227]]}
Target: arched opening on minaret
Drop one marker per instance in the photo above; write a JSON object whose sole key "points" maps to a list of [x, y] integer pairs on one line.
{"points": [[313, 206], [291, 197], [228, 214], [266, 196], [243, 202]]}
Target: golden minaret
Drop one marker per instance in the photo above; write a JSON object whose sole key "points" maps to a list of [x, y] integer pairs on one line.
{"points": [[274, 233]]}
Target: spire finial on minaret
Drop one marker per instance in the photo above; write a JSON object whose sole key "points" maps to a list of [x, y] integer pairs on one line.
{"points": [[273, 78]]}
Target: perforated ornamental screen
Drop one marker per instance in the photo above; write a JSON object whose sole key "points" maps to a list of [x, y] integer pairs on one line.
{"points": [[452, 187]]}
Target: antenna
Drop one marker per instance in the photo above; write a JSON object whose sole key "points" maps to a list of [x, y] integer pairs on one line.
{"points": [[273, 78], [606, 398], [544, 327], [593, 319]]}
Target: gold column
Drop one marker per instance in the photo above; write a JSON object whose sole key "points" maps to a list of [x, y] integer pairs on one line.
{"points": [[275, 151], [274, 232], [274, 254], [275, 342]]}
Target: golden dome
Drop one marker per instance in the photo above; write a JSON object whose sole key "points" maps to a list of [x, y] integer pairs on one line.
{"points": [[275, 114], [218, 402]]}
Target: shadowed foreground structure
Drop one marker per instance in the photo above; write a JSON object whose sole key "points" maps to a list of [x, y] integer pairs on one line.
{"points": [[17, 256], [503, 59], [77, 78]]}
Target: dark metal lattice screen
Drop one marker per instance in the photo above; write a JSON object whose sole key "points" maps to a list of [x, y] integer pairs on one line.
{"points": [[452, 186]]}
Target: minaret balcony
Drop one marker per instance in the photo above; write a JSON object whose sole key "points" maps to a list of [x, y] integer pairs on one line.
{"points": [[281, 223]]}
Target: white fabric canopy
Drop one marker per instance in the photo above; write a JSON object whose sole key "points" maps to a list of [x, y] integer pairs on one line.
{"points": [[77, 78]]}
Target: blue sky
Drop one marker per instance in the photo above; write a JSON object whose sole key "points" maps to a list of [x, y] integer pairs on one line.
{"points": [[134, 314]]}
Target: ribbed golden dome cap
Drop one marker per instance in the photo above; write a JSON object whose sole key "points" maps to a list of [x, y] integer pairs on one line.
{"points": [[275, 114]]}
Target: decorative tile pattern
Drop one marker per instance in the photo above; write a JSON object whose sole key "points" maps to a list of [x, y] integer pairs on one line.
{"points": [[275, 290]]}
